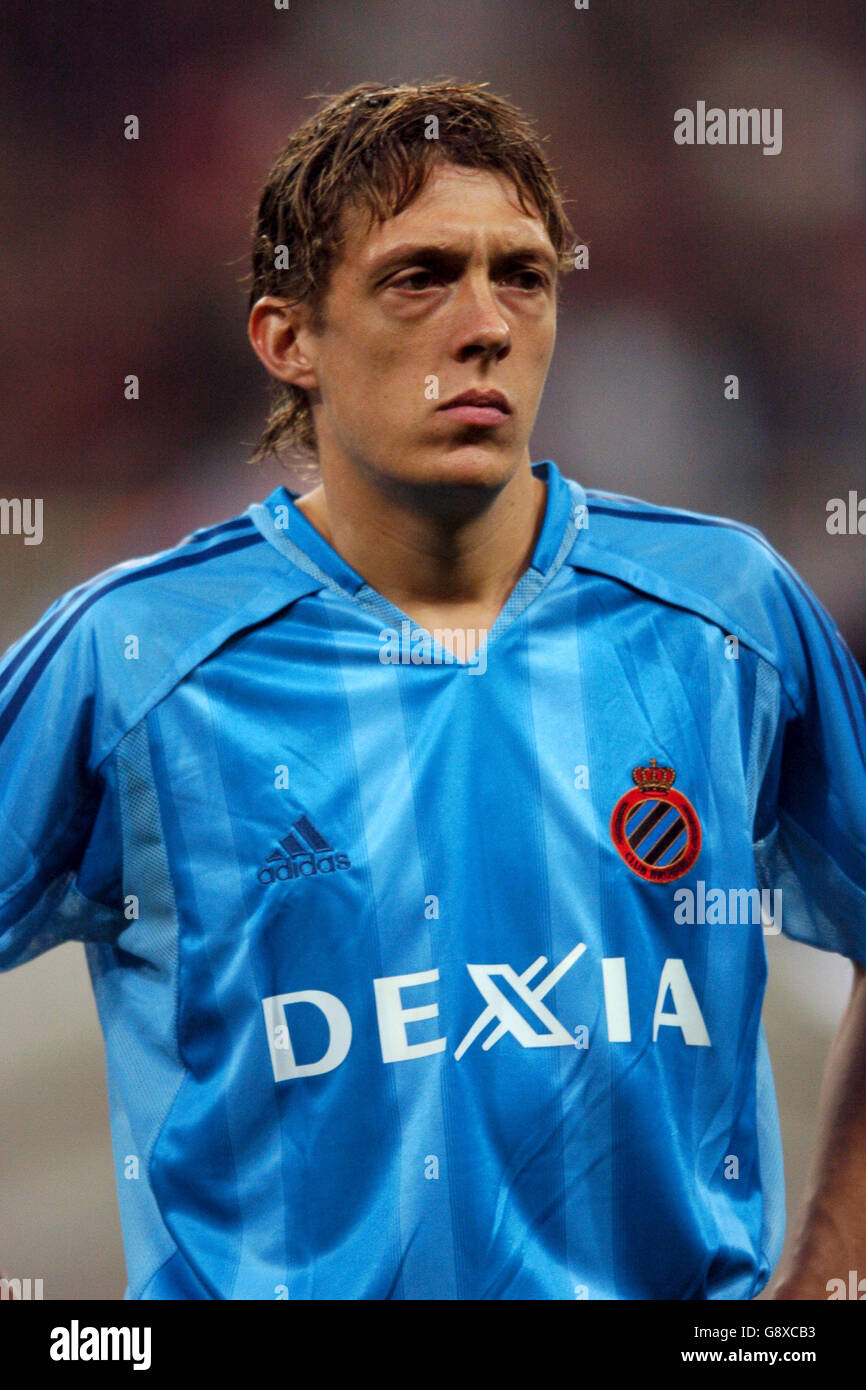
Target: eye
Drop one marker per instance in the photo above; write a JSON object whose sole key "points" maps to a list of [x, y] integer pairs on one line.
{"points": [[535, 275], [409, 282], [406, 282]]}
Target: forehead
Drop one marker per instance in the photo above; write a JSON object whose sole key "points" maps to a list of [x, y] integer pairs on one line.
{"points": [[458, 208]]}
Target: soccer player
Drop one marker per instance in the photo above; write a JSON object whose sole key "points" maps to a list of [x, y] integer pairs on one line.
{"points": [[424, 830]]}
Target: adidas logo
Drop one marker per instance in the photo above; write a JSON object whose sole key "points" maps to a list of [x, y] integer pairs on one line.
{"points": [[302, 853]]}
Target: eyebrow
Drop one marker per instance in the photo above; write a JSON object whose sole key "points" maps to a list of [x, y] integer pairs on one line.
{"points": [[449, 258]]}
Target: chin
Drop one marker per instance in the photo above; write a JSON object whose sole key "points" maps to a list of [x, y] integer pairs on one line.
{"points": [[469, 465], [446, 470]]}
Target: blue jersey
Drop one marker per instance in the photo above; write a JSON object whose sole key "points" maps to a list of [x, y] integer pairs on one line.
{"points": [[432, 975]]}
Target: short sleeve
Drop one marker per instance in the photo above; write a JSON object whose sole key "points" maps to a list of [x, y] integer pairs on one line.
{"points": [[59, 846], [814, 799]]}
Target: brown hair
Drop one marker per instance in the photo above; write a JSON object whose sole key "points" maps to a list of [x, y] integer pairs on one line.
{"points": [[372, 146]]}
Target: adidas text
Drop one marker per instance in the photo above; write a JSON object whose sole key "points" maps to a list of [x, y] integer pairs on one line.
{"points": [[304, 866]]}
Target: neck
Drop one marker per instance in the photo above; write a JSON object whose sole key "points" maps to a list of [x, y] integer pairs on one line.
{"points": [[444, 550]]}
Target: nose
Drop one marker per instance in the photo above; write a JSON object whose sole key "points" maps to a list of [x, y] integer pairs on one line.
{"points": [[482, 329]]}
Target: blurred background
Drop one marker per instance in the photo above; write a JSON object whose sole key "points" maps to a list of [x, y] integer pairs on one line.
{"points": [[126, 256]]}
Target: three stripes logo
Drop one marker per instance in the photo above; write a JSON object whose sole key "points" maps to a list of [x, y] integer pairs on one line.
{"points": [[301, 854], [656, 829]]}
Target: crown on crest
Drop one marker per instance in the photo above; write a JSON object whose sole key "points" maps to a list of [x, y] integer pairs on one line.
{"points": [[654, 778]]}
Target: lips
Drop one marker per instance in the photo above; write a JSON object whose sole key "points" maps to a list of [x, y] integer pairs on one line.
{"points": [[493, 400]]}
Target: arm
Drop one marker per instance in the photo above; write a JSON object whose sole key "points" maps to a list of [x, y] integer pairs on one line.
{"points": [[831, 1234]]}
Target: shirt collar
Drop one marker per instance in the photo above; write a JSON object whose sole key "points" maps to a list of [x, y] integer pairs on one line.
{"points": [[285, 526]]}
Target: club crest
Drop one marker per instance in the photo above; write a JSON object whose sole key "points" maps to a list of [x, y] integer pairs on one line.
{"points": [[655, 828]]}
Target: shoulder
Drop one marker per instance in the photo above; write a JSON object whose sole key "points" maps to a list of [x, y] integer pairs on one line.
{"points": [[725, 571], [122, 640], [193, 570], [159, 599], [678, 538]]}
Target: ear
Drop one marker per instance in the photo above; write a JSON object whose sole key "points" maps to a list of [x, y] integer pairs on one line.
{"points": [[283, 341]]}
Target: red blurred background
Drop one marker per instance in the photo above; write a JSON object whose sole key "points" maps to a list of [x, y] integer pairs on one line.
{"points": [[124, 256]]}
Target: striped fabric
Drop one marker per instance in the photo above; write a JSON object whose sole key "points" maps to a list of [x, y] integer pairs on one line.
{"points": [[430, 976]]}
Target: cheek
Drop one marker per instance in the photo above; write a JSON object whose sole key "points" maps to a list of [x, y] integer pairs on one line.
{"points": [[350, 373], [543, 351], [395, 375], [372, 390], [362, 364]]}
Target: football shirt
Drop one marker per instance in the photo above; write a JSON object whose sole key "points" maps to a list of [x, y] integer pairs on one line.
{"points": [[426, 977]]}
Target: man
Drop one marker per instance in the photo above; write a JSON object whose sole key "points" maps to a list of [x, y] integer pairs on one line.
{"points": [[419, 827]]}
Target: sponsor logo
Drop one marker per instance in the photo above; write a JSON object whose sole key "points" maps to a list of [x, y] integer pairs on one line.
{"points": [[302, 853], [499, 1015], [655, 829], [502, 1012]]}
